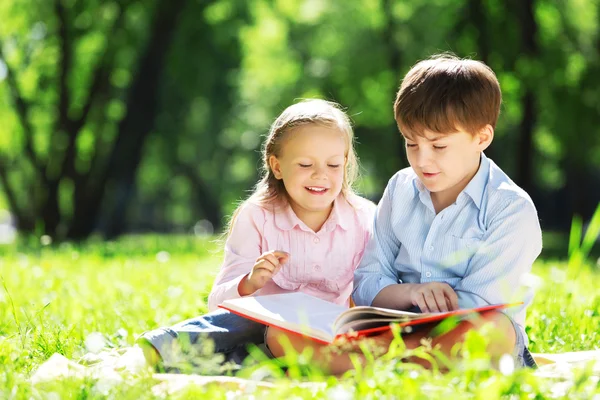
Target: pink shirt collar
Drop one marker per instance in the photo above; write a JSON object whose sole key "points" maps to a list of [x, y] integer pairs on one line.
{"points": [[340, 215]]}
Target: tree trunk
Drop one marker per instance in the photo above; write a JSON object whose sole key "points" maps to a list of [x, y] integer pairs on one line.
{"points": [[395, 58], [476, 13], [525, 150], [525, 160], [142, 104]]}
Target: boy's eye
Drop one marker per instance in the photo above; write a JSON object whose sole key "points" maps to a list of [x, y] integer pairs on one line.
{"points": [[411, 145], [439, 147], [334, 165], [305, 165]]}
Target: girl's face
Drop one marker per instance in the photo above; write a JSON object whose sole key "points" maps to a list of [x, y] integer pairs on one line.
{"points": [[311, 164]]}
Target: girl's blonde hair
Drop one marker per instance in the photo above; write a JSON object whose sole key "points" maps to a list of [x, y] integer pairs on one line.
{"points": [[270, 191]]}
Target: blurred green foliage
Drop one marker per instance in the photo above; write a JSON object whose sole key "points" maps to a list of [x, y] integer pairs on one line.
{"points": [[130, 115]]}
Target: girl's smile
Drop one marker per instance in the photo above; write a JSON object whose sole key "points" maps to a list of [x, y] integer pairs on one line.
{"points": [[317, 190]]}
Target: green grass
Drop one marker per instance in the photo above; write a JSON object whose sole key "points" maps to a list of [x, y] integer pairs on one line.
{"points": [[53, 297]]}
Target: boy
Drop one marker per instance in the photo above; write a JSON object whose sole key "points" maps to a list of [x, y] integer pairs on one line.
{"points": [[452, 230]]}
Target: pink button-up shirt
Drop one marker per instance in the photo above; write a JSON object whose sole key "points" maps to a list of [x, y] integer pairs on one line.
{"points": [[321, 264]]}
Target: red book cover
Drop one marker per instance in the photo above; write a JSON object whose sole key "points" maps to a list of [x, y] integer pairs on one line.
{"points": [[324, 322]]}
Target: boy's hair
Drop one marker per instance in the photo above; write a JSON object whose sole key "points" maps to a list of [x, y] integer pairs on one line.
{"points": [[270, 191], [444, 94]]}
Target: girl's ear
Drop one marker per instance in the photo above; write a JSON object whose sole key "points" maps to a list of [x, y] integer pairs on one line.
{"points": [[485, 137], [275, 166]]}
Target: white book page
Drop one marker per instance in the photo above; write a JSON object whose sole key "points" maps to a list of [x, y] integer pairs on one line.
{"points": [[365, 313], [298, 312]]}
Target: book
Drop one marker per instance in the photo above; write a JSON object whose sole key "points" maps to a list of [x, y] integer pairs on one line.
{"points": [[325, 322]]}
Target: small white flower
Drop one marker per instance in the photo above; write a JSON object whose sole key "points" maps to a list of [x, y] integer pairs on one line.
{"points": [[531, 281], [52, 396], [203, 228], [45, 240], [107, 380], [95, 342], [558, 275], [507, 364], [8, 234], [339, 393], [174, 291], [231, 395], [163, 256]]}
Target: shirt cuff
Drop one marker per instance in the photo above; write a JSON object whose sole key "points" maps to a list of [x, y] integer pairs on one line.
{"points": [[369, 288], [231, 288], [469, 300], [228, 291]]}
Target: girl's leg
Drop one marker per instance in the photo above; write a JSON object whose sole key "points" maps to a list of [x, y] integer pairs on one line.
{"points": [[227, 331], [501, 343]]}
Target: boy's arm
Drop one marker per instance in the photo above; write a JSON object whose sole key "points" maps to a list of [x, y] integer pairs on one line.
{"points": [[376, 270], [497, 270]]}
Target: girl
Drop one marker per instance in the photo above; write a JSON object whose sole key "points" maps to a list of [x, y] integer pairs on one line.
{"points": [[303, 229]]}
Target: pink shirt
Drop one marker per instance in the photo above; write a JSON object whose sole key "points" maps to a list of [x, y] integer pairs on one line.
{"points": [[321, 264]]}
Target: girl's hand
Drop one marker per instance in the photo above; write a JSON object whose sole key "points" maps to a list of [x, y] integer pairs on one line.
{"points": [[434, 297], [266, 266]]}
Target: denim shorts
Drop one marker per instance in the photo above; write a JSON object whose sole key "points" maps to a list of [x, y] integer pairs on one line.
{"points": [[229, 333]]}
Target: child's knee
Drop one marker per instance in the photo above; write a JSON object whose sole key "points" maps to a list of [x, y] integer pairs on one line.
{"points": [[503, 335], [273, 341]]}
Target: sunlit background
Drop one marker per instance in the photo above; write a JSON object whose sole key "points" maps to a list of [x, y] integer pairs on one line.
{"points": [[138, 116]]}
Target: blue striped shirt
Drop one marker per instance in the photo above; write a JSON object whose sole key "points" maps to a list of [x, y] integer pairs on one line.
{"points": [[483, 245]]}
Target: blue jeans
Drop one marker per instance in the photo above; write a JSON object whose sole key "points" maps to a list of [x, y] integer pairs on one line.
{"points": [[229, 333]]}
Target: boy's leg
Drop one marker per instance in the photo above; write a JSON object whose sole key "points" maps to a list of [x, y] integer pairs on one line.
{"points": [[226, 330], [502, 343]]}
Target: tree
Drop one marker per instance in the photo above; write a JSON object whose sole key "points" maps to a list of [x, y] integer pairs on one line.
{"points": [[65, 170]]}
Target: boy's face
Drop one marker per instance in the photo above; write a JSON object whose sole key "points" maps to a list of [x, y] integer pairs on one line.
{"points": [[446, 163]]}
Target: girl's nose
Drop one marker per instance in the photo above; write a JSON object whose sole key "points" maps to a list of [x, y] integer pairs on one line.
{"points": [[319, 172]]}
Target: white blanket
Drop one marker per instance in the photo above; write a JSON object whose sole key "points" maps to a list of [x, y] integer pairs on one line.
{"points": [[110, 368]]}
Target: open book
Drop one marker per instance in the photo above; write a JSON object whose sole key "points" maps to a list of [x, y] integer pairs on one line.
{"points": [[324, 322]]}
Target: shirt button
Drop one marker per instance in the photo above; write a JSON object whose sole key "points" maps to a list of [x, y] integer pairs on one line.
{"points": [[428, 274], [317, 267], [431, 248], [316, 240]]}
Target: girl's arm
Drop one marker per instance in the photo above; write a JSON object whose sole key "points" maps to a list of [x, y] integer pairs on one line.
{"points": [[242, 249]]}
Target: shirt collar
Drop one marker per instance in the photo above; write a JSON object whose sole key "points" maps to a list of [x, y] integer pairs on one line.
{"points": [[474, 188], [341, 215]]}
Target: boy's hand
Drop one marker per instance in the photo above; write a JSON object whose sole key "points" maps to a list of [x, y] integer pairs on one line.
{"points": [[434, 297], [267, 265]]}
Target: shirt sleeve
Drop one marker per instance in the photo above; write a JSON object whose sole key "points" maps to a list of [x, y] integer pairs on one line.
{"points": [[505, 256], [366, 231], [242, 248], [376, 270]]}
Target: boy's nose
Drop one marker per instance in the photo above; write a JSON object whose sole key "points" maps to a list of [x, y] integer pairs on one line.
{"points": [[423, 158]]}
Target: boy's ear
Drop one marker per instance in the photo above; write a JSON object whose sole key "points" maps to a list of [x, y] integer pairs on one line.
{"points": [[275, 166], [485, 137]]}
